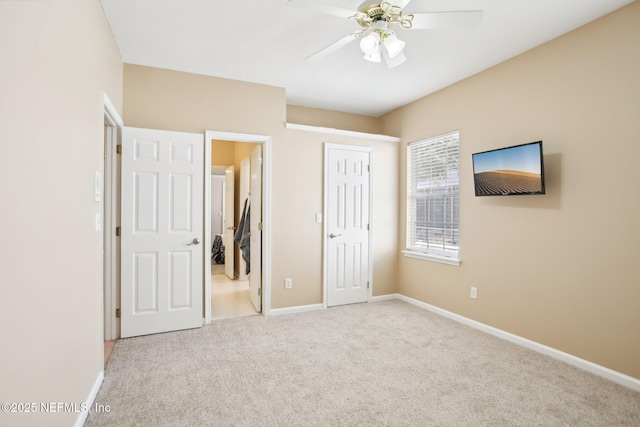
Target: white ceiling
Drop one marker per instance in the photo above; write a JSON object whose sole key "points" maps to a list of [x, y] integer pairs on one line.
{"points": [[266, 41]]}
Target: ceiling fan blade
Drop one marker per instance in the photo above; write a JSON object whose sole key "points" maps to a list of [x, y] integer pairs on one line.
{"points": [[400, 3], [335, 46], [436, 20], [322, 8]]}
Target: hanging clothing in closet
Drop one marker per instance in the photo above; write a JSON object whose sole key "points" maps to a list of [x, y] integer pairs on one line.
{"points": [[242, 237], [217, 249]]}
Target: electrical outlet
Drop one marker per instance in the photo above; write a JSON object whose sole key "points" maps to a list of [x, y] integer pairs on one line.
{"points": [[474, 293], [287, 283]]}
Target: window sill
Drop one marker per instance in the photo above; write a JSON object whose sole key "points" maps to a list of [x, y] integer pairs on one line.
{"points": [[429, 257]]}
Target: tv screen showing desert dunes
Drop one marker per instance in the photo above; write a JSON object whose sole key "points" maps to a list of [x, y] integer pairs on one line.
{"points": [[513, 170]]}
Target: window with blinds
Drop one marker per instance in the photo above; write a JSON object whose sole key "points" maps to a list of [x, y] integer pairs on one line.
{"points": [[433, 196]]}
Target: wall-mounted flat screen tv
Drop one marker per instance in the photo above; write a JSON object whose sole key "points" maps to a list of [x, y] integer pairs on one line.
{"points": [[509, 171]]}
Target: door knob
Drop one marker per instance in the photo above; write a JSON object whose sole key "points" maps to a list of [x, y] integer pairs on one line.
{"points": [[333, 236], [195, 241]]}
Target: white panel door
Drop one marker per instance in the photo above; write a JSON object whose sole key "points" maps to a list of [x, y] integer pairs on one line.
{"points": [[217, 205], [245, 191], [255, 275], [161, 231], [229, 218], [347, 215]]}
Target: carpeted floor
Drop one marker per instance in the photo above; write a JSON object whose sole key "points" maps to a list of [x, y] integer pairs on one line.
{"points": [[377, 364]]}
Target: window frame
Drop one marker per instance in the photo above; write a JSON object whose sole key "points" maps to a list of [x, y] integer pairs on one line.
{"points": [[447, 192]]}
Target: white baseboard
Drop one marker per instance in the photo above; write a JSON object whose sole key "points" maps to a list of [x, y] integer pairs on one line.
{"points": [[385, 297], [82, 416], [312, 307], [296, 309], [601, 371]]}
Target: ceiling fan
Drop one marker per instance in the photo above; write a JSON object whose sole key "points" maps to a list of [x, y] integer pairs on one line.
{"points": [[377, 19]]}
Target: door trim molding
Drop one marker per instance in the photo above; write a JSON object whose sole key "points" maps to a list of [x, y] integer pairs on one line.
{"points": [[325, 248], [266, 214], [113, 130]]}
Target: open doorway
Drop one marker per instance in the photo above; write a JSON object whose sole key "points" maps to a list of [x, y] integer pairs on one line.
{"points": [[230, 288], [238, 260]]}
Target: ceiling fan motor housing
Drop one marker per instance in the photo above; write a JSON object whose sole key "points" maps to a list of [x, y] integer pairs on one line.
{"points": [[375, 12], [371, 12], [367, 4]]}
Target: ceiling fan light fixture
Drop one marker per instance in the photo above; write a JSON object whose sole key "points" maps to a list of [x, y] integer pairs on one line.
{"points": [[395, 61], [373, 56], [371, 43], [393, 45]]}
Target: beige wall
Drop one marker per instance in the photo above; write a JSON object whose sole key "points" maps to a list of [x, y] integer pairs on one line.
{"points": [[163, 99], [222, 153], [170, 100], [560, 269], [57, 59]]}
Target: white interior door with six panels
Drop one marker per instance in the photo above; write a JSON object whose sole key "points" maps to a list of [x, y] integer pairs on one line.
{"points": [[161, 231], [347, 181]]}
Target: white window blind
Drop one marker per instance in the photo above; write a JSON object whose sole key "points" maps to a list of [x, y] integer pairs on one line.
{"points": [[433, 196]]}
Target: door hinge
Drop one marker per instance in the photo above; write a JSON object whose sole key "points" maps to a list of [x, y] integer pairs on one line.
{"points": [[368, 227], [118, 231], [368, 168], [117, 313], [259, 292], [367, 285], [119, 149], [260, 160], [260, 226]]}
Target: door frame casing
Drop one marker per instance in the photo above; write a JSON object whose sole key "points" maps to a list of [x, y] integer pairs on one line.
{"points": [[111, 211], [325, 232], [266, 214]]}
